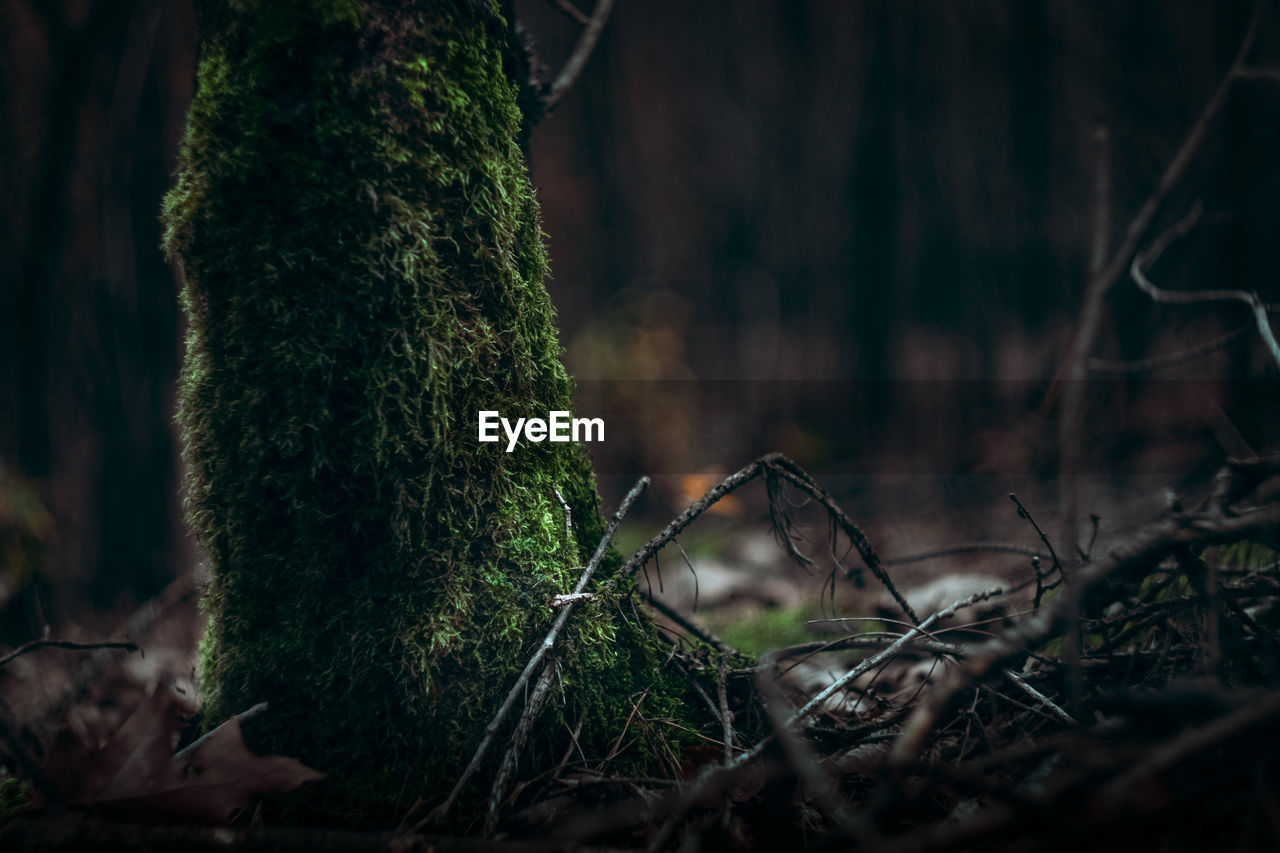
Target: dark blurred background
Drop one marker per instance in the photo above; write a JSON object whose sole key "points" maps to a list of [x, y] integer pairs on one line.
{"points": [[856, 232]]}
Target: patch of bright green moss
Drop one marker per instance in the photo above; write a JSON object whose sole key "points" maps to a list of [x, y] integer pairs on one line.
{"points": [[769, 629], [364, 273]]}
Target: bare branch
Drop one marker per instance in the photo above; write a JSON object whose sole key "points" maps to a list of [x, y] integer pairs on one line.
{"points": [[581, 53], [1143, 262]]}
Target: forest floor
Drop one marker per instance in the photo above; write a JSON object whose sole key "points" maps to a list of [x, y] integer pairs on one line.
{"points": [[1133, 706]]}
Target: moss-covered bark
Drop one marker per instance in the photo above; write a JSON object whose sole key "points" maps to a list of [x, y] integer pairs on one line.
{"points": [[364, 267]]}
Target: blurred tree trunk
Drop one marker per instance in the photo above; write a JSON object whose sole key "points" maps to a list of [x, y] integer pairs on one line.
{"points": [[364, 273]]}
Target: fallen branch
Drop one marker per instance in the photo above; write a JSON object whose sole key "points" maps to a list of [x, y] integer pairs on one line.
{"points": [[1135, 558], [438, 814]]}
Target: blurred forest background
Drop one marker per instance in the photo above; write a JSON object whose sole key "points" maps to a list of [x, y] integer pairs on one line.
{"points": [[855, 232]]}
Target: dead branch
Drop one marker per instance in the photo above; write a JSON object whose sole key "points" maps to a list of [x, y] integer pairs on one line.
{"points": [[572, 12]]}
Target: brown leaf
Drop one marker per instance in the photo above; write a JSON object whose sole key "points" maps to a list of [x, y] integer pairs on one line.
{"points": [[207, 782], [136, 775]]}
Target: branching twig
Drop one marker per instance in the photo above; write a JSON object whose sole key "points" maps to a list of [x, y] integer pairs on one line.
{"points": [[1143, 262], [692, 627], [773, 464]]}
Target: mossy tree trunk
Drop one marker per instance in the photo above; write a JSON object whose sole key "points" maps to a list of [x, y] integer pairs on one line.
{"points": [[364, 266]]}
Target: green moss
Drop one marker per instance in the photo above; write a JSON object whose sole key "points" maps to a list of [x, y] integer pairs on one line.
{"points": [[15, 796], [769, 629], [364, 266]]}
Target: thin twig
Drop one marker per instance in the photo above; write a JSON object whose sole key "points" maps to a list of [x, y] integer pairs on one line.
{"points": [[568, 515], [771, 465], [1041, 699], [692, 571], [437, 815], [1173, 359], [1023, 512], [962, 548], [730, 484], [797, 477], [581, 52], [692, 627], [1143, 262], [571, 11], [63, 644]]}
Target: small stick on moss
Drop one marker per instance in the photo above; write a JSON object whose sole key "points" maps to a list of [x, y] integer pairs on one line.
{"points": [[508, 768], [439, 813], [568, 516]]}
